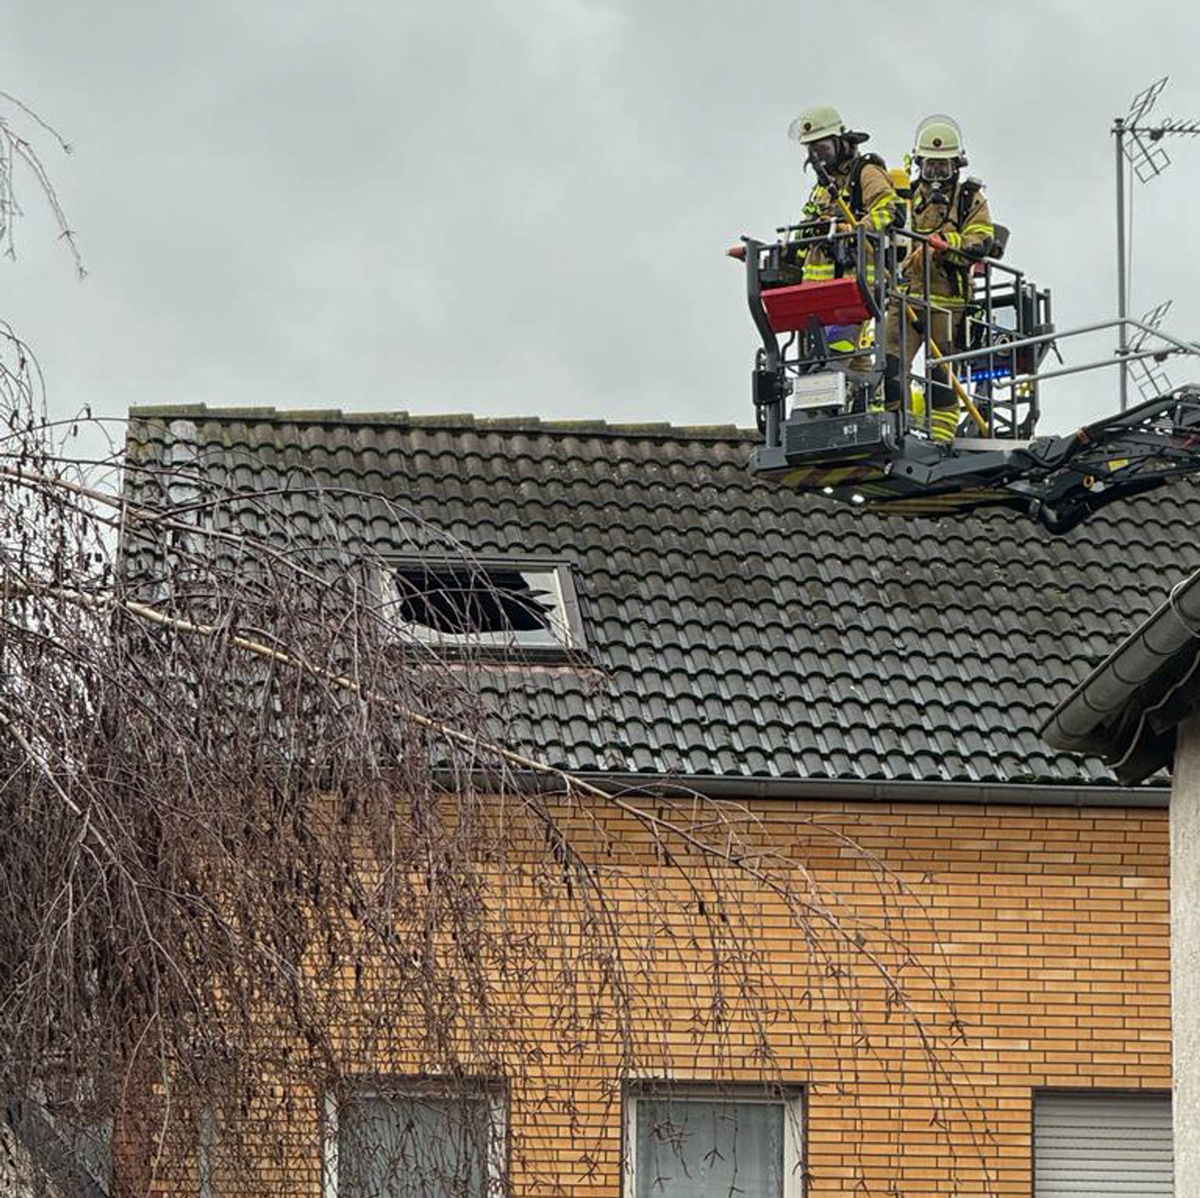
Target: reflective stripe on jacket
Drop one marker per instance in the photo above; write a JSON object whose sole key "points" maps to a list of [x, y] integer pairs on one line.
{"points": [[876, 211], [948, 271]]}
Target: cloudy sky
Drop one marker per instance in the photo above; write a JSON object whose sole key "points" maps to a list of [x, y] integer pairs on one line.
{"points": [[519, 207]]}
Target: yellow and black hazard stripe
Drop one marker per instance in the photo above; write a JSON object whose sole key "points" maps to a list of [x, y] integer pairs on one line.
{"points": [[816, 478], [939, 505]]}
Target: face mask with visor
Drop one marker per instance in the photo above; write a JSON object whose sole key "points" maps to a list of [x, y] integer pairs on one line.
{"points": [[937, 170], [824, 153]]}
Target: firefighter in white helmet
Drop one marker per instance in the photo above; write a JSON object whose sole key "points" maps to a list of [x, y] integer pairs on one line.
{"points": [[954, 217], [861, 181]]}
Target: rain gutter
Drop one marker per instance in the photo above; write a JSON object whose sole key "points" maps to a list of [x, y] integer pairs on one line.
{"points": [[852, 791], [1096, 717]]}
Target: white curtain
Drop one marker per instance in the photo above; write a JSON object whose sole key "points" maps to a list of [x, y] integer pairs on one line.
{"points": [[701, 1148], [408, 1146]]}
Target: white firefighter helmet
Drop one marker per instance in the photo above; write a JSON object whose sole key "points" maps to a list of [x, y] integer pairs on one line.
{"points": [[815, 123], [938, 136]]}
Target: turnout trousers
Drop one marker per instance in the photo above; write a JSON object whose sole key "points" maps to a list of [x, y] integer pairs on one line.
{"points": [[902, 339]]}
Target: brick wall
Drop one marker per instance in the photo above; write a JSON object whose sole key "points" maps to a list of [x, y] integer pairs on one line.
{"points": [[1044, 936], [1050, 927], [917, 970]]}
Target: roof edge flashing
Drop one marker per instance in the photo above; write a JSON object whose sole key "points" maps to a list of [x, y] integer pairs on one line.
{"points": [[1081, 722]]}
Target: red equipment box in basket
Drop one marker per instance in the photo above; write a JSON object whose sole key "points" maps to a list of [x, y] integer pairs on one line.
{"points": [[833, 301]]}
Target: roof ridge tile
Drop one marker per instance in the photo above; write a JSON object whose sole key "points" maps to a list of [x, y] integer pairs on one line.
{"points": [[442, 421]]}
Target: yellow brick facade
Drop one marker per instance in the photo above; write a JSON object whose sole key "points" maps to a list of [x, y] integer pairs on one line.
{"points": [[1051, 925], [1031, 944]]}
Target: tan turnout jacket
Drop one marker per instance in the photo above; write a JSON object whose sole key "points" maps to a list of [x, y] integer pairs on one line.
{"points": [[948, 271], [875, 211]]}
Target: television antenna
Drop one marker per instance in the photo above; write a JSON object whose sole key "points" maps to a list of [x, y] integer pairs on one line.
{"points": [[1154, 379], [1140, 144]]}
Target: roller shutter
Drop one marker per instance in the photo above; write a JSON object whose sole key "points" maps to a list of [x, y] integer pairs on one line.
{"points": [[1096, 1145]]}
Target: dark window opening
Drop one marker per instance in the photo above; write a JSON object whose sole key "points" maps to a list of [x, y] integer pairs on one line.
{"points": [[462, 601], [501, 605]]}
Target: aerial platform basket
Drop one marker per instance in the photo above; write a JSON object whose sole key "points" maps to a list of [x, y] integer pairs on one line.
{"points": [[819, 411]]}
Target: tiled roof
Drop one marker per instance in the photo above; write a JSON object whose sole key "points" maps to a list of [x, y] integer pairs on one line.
{"points": [[735, 629]]}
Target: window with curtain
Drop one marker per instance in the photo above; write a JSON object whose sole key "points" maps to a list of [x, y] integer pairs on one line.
{"points": [[714, 1144], [425, 1141]]}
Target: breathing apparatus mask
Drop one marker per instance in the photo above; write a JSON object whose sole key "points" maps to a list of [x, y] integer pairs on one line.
{"points": [[938, 170], [825, 154]]}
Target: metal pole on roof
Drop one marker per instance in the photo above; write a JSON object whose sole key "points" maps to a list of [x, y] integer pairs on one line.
{"points": [[1141, 144], [1119, 132]]}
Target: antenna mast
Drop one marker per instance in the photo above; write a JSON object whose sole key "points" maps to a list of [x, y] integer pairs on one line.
{"points": [[1138, 142]]}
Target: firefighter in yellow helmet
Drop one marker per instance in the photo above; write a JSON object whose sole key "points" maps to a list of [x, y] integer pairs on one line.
{"points": [[861, 180], [955, 218]]}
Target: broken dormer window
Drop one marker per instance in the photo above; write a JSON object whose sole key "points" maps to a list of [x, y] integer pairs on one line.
{"points": [[510, 604]]}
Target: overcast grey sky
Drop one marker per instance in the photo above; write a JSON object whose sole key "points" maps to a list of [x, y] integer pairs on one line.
{"points": [[519, 207]]}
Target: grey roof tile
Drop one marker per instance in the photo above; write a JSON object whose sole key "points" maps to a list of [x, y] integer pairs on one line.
{"points": [[734, 629]]}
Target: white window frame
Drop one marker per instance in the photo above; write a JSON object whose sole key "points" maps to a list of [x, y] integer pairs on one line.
{"points": [[492, 1093], [790, 1098], [565, 633]]}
